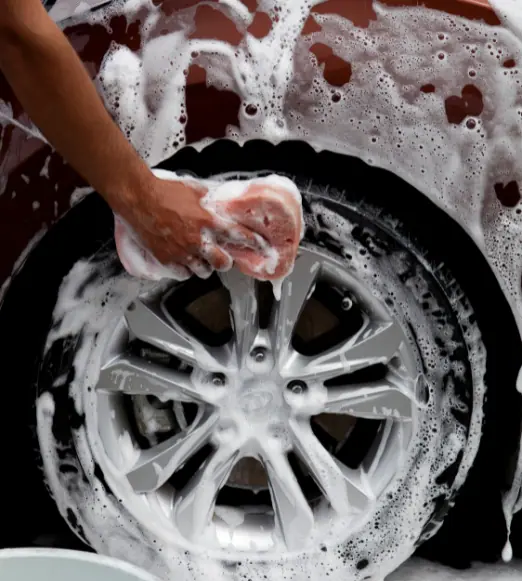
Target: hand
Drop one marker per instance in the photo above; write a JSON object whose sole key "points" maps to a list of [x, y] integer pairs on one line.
{"points": [[169, 220], [173, 229]]}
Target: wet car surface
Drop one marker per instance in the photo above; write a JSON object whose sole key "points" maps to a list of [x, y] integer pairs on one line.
{"points": [[39, 188]]}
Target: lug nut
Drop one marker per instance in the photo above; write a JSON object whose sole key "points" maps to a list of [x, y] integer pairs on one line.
{"points": [[218, 379], [258, 354], [297, 386], [346, 303]]}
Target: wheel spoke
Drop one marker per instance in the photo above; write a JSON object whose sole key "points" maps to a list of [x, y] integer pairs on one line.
{"points": [[293, 516], [373, 344], [150, 324], [194, 507], [135, 376], [379, 400], [344, 488], [156, 465], [244, 310], [297, 288]]}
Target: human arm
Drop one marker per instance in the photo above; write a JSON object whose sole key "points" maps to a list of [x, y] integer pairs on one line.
{"points": [[54, 88]]}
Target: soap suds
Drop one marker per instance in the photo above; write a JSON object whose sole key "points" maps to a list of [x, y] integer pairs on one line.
{"points": [[79, 194], [269, 207], [432, 97], [91, 311]]}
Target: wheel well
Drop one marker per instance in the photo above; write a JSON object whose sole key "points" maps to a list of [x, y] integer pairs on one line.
{"points": [[27, 313], [476, 525]]}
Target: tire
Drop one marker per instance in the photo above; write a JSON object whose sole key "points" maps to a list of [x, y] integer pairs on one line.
{"points": [[385, 245]]}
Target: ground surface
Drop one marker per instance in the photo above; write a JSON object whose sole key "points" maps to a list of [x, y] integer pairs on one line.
{"points": [[417, 570], [414, 570]]}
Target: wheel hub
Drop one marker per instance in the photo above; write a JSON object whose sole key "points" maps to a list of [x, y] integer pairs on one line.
{"points": [[255, 405], [260, 399]]}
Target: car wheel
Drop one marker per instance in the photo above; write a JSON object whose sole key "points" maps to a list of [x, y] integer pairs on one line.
{"points": [[205, 426]]}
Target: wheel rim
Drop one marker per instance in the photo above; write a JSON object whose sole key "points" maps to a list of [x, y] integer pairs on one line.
{"points": [[257, 399]]}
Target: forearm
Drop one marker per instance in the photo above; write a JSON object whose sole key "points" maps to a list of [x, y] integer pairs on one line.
{"points": [[54, 88]]}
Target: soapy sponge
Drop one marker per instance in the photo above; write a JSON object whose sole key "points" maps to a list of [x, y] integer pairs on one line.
{"points": [[270, 207]]}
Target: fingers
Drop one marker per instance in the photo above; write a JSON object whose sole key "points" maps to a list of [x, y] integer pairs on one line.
{"points": [[140, 262], [208, 257], [199, 266], [218, 258], [259, 266], [172, 271], [257, 230]]}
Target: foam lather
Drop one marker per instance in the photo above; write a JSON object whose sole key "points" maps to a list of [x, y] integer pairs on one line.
{"points": [[269, 206]]}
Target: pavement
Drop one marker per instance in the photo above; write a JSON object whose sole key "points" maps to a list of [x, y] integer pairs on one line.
{"points": [[418, 570]]}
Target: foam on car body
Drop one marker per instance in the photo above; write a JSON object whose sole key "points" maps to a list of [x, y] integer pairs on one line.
{"points": [[430, 96]]}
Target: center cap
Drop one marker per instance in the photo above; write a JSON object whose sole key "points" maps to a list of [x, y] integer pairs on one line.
{"points": [[260, 399]]}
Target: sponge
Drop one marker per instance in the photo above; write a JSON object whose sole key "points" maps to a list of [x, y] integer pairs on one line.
{"points": [[271, 207]]}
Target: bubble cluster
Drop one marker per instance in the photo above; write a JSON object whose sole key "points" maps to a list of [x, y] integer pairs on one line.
{"points": [[432, 97], [89, 305]]}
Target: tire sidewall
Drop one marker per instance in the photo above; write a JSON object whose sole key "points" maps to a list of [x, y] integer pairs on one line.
{"points": [[405, 515]]}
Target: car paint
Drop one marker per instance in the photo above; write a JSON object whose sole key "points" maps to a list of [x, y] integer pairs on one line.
{"points": [[37, 187]]}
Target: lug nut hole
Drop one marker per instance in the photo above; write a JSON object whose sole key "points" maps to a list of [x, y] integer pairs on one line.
{"points": [[218, 379], [297, 387], [346, 303], [259, 354]]}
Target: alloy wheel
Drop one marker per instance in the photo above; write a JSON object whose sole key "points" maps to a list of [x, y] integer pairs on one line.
{"points": [[247, 435]]}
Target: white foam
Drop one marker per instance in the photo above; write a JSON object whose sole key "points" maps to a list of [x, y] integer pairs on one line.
{"points": [[381, 116], [93, 312], [79, 194], [140, 262]]}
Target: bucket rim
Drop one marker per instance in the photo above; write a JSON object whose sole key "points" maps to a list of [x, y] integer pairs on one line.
{"points": [[66, 554]]}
